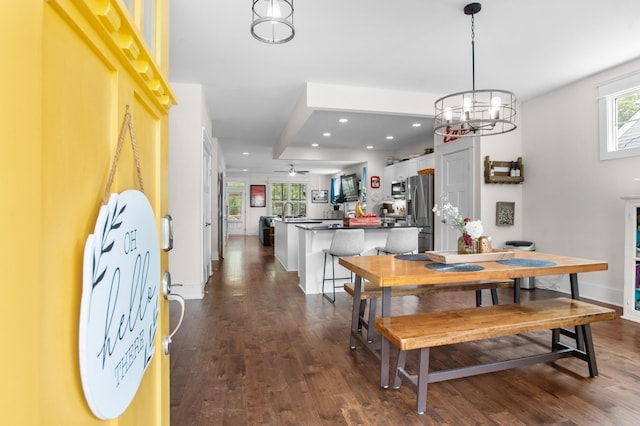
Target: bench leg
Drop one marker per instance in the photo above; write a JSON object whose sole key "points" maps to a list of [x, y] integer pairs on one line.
{"points": [[402, 359], [423, 381], [494, 296], [589, 350], [371, 329], [363, 305], [355, 311], [384, 363]]}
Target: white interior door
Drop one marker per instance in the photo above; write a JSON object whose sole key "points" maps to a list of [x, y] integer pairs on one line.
{"points": [[456, 182], [206, 206]]}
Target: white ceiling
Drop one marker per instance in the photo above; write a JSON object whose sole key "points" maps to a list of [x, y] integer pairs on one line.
{"points": [[252, 88]]}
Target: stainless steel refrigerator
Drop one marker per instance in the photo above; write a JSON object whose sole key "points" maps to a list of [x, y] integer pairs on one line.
{"points": [[419, 198]]}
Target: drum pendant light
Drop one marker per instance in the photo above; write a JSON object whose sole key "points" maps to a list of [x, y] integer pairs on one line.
{"points": [[272, 21], [476, 112]]}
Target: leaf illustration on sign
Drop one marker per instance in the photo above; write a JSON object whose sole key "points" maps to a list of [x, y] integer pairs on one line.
{"points": [[113, 222]]}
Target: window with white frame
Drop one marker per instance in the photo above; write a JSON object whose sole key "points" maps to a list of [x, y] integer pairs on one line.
{"points": [[619, 111], [288, 198]]}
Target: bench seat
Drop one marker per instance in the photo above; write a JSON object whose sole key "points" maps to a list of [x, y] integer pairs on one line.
{"points": [[373, 292], [432, 329]]}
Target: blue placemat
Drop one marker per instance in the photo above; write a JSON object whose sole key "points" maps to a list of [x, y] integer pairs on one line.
{"points": [[526, 262], [454, 267], [422, 257]]}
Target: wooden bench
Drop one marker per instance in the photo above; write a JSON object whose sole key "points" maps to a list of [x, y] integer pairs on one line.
{"points": [[372, 293], [427, 330]]}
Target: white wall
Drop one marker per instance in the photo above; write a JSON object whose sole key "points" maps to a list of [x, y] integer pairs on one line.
{"points": [[506, 147], [185, 205], [572, 199]]}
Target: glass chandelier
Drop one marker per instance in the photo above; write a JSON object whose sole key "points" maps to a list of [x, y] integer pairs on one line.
{"points": [[272, 21], [475, 112]]}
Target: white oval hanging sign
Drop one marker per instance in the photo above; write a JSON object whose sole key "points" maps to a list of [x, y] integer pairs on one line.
{"points": [[120, 305]]}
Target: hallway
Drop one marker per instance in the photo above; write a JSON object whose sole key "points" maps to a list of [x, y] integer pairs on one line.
{"points": [[257, 351]]}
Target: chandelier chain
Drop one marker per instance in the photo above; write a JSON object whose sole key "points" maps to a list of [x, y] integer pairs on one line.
{"points": [[473, 51]]}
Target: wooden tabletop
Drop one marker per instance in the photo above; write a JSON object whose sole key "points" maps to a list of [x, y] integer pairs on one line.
{"points": [[387, 271]]}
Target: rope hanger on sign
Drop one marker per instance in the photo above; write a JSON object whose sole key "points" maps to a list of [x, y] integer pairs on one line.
{"points": [[127, 123]]}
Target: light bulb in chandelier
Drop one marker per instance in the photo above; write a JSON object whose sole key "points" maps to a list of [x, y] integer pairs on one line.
{"points": [[273, 10]]}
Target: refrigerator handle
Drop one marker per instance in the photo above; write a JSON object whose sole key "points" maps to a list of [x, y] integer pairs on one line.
{"points": [[414, 193]]}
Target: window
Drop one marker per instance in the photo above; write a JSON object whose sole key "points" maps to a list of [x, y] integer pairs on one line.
{"points": [[619, 110], [292, 192]]}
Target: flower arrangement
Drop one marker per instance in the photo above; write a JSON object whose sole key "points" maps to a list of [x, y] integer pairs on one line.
{"points": [[471, 230]]}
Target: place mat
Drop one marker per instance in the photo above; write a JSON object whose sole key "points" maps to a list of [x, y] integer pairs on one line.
{"points": [[422, 257], [526, 262], [454, 267]]}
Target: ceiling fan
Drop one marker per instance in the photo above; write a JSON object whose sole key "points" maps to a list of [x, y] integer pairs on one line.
{"points": [[292, 171]]}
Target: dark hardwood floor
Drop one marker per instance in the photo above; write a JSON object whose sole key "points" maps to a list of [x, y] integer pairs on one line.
{"points": [[257, 351]]}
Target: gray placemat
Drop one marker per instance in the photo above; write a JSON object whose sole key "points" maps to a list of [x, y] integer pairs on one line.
{"points": [[421, 257], [526, 262], [454, 267]]}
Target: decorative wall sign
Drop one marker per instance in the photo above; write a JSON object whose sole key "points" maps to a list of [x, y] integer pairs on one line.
{"points": [[120, 303]]}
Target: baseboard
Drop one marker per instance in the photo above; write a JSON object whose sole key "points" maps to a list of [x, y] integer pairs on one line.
{"points": [[189, 291], [588, 290]]}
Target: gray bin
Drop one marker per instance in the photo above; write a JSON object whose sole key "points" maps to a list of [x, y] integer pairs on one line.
{"points": [[527, 283]]}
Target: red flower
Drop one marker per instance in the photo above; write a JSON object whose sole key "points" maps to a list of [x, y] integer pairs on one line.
{"points": [[466, 220]]}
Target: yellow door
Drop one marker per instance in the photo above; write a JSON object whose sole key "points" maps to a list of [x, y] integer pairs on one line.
{"points": [[70, 69]]}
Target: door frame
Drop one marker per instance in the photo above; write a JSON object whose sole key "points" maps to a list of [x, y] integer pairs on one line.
{"points": [[445, 237], [245, 201]]}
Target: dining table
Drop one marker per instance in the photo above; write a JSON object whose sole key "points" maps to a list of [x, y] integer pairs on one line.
{"points": [[392, 271]]}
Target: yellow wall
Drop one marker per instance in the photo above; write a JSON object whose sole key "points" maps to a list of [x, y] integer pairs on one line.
{"points": [[69, 69]]}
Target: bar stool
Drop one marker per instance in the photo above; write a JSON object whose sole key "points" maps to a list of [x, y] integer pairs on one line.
{"points": [[345, 242], [400, 241]]}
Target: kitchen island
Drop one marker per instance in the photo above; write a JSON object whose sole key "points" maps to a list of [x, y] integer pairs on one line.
{"points": [[314, 238], [286, 238]]}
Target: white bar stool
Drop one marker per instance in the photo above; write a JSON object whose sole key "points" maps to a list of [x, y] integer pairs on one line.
{"points": [[345, 242], [401, 241]]}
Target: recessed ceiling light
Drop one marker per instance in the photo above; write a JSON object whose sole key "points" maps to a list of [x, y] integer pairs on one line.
{"points": [[343, 120], [314, 145], [244, 170], [389, 137], [416, 124], [245, 153], [326, 134], [369, 146]]}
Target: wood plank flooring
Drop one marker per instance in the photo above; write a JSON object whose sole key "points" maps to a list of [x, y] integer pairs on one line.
{"points": [[257, 351]]}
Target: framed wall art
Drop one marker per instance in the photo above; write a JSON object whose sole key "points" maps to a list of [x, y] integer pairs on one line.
{"points": [[258, 196], [505, 211], [375, 181], [320, 196]]}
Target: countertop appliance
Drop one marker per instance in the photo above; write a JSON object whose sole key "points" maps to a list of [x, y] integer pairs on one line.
{"points": [[419, 199]]}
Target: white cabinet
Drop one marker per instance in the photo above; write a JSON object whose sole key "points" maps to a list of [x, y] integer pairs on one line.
{"points": [[402, 170], [632, 258], [427, 161]]}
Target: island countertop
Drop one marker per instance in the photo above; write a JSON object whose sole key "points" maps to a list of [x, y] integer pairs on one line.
{"points": [[337, 226]]}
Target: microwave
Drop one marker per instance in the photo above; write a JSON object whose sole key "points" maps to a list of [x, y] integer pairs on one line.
{"points": [[398, 188]]}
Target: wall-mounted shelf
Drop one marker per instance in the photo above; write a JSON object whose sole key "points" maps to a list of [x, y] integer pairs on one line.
{"points": [[501, 171]]}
